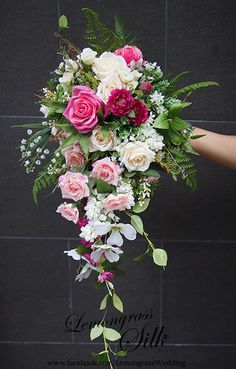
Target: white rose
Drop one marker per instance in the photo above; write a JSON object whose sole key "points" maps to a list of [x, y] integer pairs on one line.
{"points": [[99, 142], [88, 56], [107, 85], [108, 63], [136, 156], [126, 75]]}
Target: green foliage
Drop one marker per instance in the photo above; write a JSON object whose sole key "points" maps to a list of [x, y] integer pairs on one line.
{"points": [[98, 36], [172, 83], [63, 22], [96, 332], [104, 302], [160, 257], [139, 208], [120, 30], [104, 187], [117, 303], [177, 162], [43, 180], [111, 334], [188, 90], [137, 223]]}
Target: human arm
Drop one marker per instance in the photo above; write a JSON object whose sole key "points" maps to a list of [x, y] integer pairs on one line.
{"points": [[214, 146]]}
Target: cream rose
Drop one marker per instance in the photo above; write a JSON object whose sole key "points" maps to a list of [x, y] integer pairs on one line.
{"points": [[88, 56], [108, 63], [99, 142], [136, 156], [66, 79], [107, 85]]}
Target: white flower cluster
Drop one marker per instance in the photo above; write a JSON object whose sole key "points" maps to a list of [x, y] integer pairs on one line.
{"points": [[149, 135], [158, 100]]}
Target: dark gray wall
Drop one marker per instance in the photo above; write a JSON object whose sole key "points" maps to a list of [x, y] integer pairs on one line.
{"points": [[194, 299]]}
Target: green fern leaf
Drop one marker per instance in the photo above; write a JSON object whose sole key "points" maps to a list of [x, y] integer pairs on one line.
{"points": [[98, 36], [172, 83], [194, 87], [126, 37], [42, 181]]}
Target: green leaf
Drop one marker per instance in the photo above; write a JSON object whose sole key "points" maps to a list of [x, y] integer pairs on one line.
{"points": [[100, 357], [104, 187], [117, 303], [140, 257], [151, 173], [63, 22], [195, 137], [160, 257], [131, 114], [104, 302], [111, 334], [161, 122], [176, 108], [55, 105], [84, 143], [104, 131], [175, 138], [179, 124], [69, 141], [194, 87], [121, 353], [96, 331], [137, 208], [137, 223], [81, 249], [98, 36]]}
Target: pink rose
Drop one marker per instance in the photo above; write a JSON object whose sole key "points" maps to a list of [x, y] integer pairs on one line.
{"points": [[130, 53], [74, 186], [106, 170], [141, 112], [146, 87], [106, 276], [117, 202], [69, 212], [120, 102], [74, 155], [82, 108]]}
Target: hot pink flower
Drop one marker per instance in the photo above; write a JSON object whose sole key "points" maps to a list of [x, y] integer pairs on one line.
{"points": [[74, 155], [146, 87], [106, 170], [74, 186], [69, 212], [82, 109], [129, 53], [141, 112], [117, 202], [86, 243], [90, 260], [106, 276], [82, 221], [120, 102]]}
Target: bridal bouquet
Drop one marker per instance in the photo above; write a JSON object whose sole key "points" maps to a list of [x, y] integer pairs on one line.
{"points": [[112, 125]]}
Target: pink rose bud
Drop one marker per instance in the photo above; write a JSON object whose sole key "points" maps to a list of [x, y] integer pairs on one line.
{"points": [[130, 53], [69, 212], [74, 186], [74, 155], [106, 170], [106, 276], [146, 87]]}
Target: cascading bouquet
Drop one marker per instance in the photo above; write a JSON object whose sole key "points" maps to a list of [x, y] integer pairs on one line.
{"points": [[115, 120]]}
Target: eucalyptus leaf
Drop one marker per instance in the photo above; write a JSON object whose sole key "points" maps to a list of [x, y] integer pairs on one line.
{"points": [[137, 223], [138, 208], [111, 334], [104, 302], [96, 331], [117, 303], [160, 257], [121, 353]]}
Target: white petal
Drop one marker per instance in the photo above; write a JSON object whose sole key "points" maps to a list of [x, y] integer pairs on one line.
{"points": [[102, 228], [73, 253], [95, 255], [111, 256], [128, 231], [115, 239]]}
